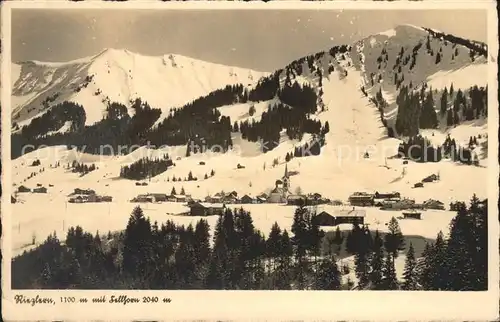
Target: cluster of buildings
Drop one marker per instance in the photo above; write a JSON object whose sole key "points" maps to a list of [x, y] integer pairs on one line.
{"points": [[392, 201], [39, 189], [161, 197], [87, 196]]}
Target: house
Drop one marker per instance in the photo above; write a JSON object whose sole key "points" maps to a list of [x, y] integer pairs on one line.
{"points": [[337, 217], [434, 204], [40, 190], [76, 199], [361, 199], [418, 185], [23, 189], [315, 196], [105, 198], [180, 198], [390, 195], [263, 196], [246, 199], [206, 209], [79, 191], [213, 199], [158, 197], [399, 204], [261, 199], [296, 200], [323, 219], [143, 198], [430, 178], [233, 194], [200, 163], [353, 216], [412, 214]]}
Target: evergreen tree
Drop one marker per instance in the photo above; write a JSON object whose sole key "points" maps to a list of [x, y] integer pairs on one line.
{"points": [[376, 262], [389, 280], [328, 275], [410, 275], [283, 279], [361, 258], [137, 245], [183, 193], [173, 192], [428, 117], [300, 243], [394, 240], [273, 244]]}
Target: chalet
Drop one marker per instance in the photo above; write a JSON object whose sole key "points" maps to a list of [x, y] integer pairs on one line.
{"points": [[40, 190], [418, 185], [430, 178], [412, 214], [230, 199], [76, 199], [262, 195], [399, 205], [324, 219], [261, 199], [390, 195], [247, 199], [105, 198], [206, 209], [213, 199], [336, 202], [79, 191], [433, 204], [180, 198], [220, 194], [296, 200], [143, 198], [23, 189], [353, 216], [158, 197], [233, 194], [361, 199]]}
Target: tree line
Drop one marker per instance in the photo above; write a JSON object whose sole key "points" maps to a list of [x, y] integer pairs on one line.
{"points": [[146, 168], [170, 256]]}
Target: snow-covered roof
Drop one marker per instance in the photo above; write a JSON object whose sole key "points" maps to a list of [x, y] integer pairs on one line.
{"points": [[350, 213], [208, 205]]}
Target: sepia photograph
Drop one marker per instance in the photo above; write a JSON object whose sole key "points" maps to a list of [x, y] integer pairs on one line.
{"points": [[265, 149]]}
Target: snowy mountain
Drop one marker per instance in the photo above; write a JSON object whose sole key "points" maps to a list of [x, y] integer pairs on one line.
{"points": [[117, 76]]}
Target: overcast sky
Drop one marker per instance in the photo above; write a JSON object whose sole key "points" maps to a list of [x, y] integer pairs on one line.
{"points": [[259, 39]]}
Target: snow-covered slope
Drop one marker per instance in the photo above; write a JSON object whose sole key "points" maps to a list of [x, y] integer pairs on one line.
{"points": [[118, 76]]}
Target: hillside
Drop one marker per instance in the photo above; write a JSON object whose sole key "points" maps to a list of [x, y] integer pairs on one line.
{"points": [[118, 76]]}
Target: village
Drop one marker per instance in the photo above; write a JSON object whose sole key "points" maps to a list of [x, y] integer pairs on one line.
{"points": [[330, 213]]}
